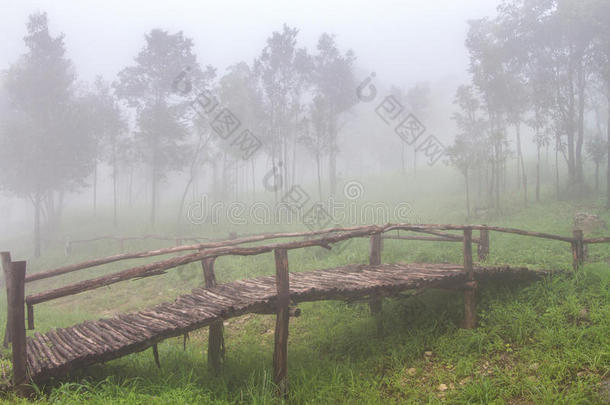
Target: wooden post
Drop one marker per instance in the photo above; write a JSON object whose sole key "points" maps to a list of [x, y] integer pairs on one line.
{"points": [[155, 350], [6, 262], [376, 305], [16, 318], [483, 245], [280, 352], [216, 342], [578, 249], [30, 316], [470, 312]]}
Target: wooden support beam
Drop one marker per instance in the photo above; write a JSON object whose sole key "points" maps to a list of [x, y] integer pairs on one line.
{"points": [[578, 249], [376, 305], [216, 342], [30, 316], [155, 350], [470, 312], [6, 262], [280, 352], [483, 245], [16, 318]]}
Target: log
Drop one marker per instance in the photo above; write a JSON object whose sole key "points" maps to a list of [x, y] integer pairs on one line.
{"points": [[375, 260], [470, 314], [449, 227], [258, 238], [216, 342], [159, 252], [280, 352], [425, 238], [30, 317], [6, 262], [157, 268], [578, 249], [16, 317]]}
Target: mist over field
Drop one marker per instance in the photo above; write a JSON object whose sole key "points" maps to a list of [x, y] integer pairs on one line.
{"points": [[134, 126]]}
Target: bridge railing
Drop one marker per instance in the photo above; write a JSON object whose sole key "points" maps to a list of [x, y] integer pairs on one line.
{"points": [[207, 252]]}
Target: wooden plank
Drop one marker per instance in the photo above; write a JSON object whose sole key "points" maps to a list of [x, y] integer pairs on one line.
{"points": [[280, 352]]}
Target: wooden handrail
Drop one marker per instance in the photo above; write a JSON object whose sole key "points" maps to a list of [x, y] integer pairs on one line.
{"points": [[259, 238], [224, 248]]}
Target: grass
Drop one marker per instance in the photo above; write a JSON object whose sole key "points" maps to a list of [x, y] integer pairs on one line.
{"points": [[538, 343]]}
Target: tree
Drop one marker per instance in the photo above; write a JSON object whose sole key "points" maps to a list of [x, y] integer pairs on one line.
{"points": [[315, 134], [148, 87], [488, 76], [417, 99], [46, 145], [334, 84], [281, 71], [597, 149], [470, 149], [109, 128]]}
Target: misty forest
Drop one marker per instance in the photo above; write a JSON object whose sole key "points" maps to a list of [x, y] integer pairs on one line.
{"points": [[305, 202]]}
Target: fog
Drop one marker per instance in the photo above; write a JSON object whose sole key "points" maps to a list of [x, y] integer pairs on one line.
{"points": [[349, 93]]}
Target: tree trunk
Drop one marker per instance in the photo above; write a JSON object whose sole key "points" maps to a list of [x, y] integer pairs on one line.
{"points": [[521, 166], [557, 146], [95, 189], [319, 176], [596, 177], [467, 194], [608, 155], [538, 173], [153, 206], [332, 171], [37, 203], [581, 127], [114, 186]]}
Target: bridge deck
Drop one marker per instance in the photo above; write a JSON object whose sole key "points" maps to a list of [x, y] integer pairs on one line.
{"points": [[61, 350]]}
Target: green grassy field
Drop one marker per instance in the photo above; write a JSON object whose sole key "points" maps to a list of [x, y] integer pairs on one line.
{"points": [[546, 342]]}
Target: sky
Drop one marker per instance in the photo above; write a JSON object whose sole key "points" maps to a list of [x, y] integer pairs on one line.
{"points": [[403, 42]]}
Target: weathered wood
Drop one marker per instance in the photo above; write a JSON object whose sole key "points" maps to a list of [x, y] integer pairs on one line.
{"points": [[30, 317], [424, 238], [376, 305], [280, 352], [165, 251], [605, 239], [470, 315], [483, 245], [216, 342], [107, 339], [578, 249], [16, 318], [158, 268], [6, 262]]}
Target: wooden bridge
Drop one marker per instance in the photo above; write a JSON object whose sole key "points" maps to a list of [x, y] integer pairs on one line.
{"points": [[53, 354]]}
